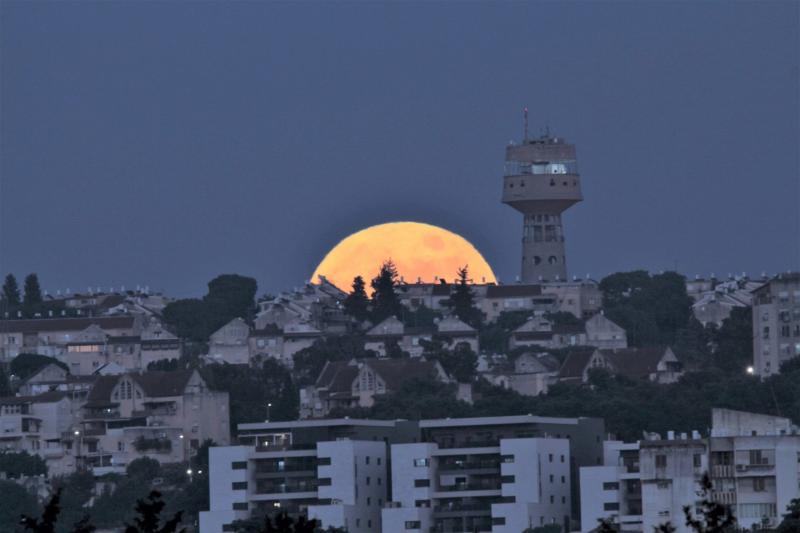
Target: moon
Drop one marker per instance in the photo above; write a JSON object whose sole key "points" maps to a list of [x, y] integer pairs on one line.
{"points": [[419, 251]]}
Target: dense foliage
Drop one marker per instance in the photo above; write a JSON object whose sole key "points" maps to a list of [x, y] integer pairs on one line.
{"points": [[25, 365], [16, 464], [229, 296]]}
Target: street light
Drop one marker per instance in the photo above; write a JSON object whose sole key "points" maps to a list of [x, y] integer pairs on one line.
{"points": [[751, 370], [269, 406]]}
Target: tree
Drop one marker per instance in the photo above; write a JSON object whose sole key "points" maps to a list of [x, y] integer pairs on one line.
{"points": [[283, 523], [712, 517], [47, 524], [494, 336], [144, 468], [5, 385], [357, 303], [650, 308], [15, 501], [16, 464], [385, 302], [733, 341], [149, 519], [460, 362], [791, 520], [33, 293], [462, 301], [11, 299], [25, 365]]}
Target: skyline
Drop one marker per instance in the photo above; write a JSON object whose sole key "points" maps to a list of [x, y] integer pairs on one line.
{"points": [[160, 146]]}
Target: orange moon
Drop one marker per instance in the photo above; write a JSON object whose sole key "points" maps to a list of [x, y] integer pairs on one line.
{"points": [[418, 251]]}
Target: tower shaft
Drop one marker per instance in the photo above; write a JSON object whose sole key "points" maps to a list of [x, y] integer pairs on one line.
{"points": [[541, 181]]}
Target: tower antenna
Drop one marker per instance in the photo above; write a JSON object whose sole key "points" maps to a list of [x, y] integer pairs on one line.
{"points": [[525, 115]]}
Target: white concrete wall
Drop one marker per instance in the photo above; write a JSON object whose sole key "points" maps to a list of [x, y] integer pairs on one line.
{"points": [[221, 495]]}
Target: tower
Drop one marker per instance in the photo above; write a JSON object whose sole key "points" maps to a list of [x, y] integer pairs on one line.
{"points": [[541, 181]]}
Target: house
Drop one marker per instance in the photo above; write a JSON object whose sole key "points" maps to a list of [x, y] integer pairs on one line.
{"points": [[450, 330], [51, 336], [229, 344], [281, 343], [355, 383], [163, 415], [603, 333], [35, 424], [530, 374], [655, 363]]}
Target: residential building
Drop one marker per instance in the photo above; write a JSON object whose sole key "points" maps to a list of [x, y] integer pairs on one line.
{"points": [[752, 461], [335, 471], [776, 323], [229, 344], [164, 415], [356, 383], [754, 465], [53, 336], [491, 474], [655, 363], [530, 374], [449, 330]]}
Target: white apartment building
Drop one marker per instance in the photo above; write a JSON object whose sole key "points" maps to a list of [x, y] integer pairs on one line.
{"points": [[503, 487], [335, 471], [753, 462], [498, 474], [613, 491]]}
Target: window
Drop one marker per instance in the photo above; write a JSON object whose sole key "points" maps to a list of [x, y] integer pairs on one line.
{"points": [[551, 478], [759, 484], [562, 458], [413, 524], [366, 460], [563, 479], [422, 503], [550, 458], [611, 506], [369, 524], [422, 482], [420, 462], [379, 481], [358, 522], [239, 485], [507, 479], [661, 461], [324, 482], [378, 461], [239, 465], [563, 499], [369, 500], [611, 485], [368, 480], [499, 521], [697, 460], [240, 506], [552, 499], [323, 461]]}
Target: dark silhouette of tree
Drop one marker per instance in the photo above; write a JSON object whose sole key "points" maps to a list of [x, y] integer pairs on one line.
{"points": [[357, 303], [16, 464], [47, 523], [462, 301], [607, 525], [385, 302], [791, 520], [280, 523], [149, 519], [712, 517], [5, 385], [33, 293], [11, 299]]}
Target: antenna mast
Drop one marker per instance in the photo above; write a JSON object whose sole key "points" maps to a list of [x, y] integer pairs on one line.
{"points": [[525, 131]]}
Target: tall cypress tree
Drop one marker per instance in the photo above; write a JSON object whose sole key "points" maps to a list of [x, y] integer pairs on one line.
{"points": [[356, 304], [10, 292], [385, 302], [33, 292], [462, 301]]}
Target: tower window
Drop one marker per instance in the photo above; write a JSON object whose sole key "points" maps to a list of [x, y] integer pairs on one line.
{"points": [[537, 260], [552, 260]]}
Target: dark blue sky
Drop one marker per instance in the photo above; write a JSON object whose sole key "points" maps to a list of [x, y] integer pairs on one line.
{"points": [[162, 143]]}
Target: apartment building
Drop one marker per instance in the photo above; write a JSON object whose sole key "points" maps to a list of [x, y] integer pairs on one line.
{"points": [[335, 471], [35, 424], [163, 415], [499, 474], [450, 330], [753, 462], [776, 323], [754, 465]]}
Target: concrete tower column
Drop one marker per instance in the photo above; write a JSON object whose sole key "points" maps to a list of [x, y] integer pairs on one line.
{"points": [[541, 181]]}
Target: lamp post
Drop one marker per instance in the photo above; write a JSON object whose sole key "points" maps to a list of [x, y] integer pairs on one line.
{"points": [[269, 406]]}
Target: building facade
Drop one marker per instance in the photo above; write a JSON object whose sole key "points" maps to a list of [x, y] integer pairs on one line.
{"points": [[776, 323]]}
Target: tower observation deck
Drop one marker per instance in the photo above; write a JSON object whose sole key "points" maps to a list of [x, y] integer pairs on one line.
{"points": [[541, 181]]}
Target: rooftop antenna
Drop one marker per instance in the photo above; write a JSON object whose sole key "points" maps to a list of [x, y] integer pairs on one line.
{"points": [[525, 115]]}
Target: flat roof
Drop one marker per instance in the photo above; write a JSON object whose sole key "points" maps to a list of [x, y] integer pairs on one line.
{"points": [[330, 422], [496, 421]]}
